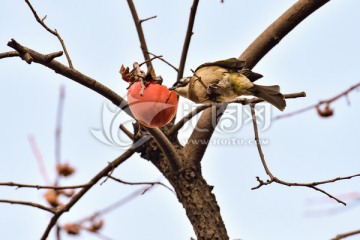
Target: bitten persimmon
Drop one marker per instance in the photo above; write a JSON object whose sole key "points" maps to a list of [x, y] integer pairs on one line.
{"points": [[156, 107]]}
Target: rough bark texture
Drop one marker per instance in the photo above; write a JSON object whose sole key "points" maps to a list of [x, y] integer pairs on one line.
{"points": [[200, 204], [192, 191]]}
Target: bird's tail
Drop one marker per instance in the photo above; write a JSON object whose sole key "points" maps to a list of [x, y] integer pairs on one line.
{"points": [[270, 94]]}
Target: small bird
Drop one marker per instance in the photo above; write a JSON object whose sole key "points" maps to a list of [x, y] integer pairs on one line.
{"points": [[225, 80]]}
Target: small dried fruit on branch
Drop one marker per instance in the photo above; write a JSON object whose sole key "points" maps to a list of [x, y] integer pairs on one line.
{"points": [[52, 197], [96, 226], [72, 229], [64, 169], [326, 112]]}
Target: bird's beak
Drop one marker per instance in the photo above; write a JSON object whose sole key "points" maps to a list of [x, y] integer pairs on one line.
{"points": [[172, 88]]}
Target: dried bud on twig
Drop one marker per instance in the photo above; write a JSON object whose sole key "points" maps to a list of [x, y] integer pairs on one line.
{"points": [[64, 169], [327, 112], [72, 229], [96, 226], [52, 197]]}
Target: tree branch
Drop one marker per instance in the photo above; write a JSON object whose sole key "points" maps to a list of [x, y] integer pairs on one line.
{"points": [[272, 179], [189, 33], [252, 55], [327, 102], [83, 191], [9, 54], [31, 204], [345, 235], [54, 32], [140, 183], [140, 32], [21, 185]]}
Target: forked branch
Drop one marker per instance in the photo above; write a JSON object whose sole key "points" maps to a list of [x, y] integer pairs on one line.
{"points": [[272, 179]]}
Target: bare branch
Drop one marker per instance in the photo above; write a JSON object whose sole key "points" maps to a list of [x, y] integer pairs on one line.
{"points": [[21, 185], [114, 206], [84, 190], [126, 131], [54, 32], [243, 101], [140, 32], [272, 179], [147, 19], [9, 54], [345, 235], [73, 74], [314, 106], [189, 33], [53, 55], [31, 204], [140, 183], [261, 154], [162, 59], [188, 117]]}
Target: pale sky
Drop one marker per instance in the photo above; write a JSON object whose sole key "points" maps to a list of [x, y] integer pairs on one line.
{"points": [[320, 57]]}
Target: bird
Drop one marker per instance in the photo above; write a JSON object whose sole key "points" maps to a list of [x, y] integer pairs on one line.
{"points": [[224, 81]]}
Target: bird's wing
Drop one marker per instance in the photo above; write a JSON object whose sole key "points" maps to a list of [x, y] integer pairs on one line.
{"points": [[232, 64], [252, 76]]}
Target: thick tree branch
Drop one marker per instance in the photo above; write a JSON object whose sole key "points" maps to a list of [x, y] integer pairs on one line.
{"points": [[82, 192], [31, 204], [140, 32], [252, 55], [54, 32], [189, 33]]}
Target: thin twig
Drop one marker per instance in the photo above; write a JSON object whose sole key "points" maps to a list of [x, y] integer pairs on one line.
{"points": [[345, 235], [188, 117], [81, 193], [258, 145], [189, 33], [162, 59], [31, 204], [243, 101], [54, 32], [113, 206], [140, 32], [140, 183], [21, 185], [147, 19], [314, 106], [272, 179], [126, 131]]}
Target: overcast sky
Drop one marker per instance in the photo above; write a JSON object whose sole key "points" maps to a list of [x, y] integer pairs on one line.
{"points": [[320, 57]]}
